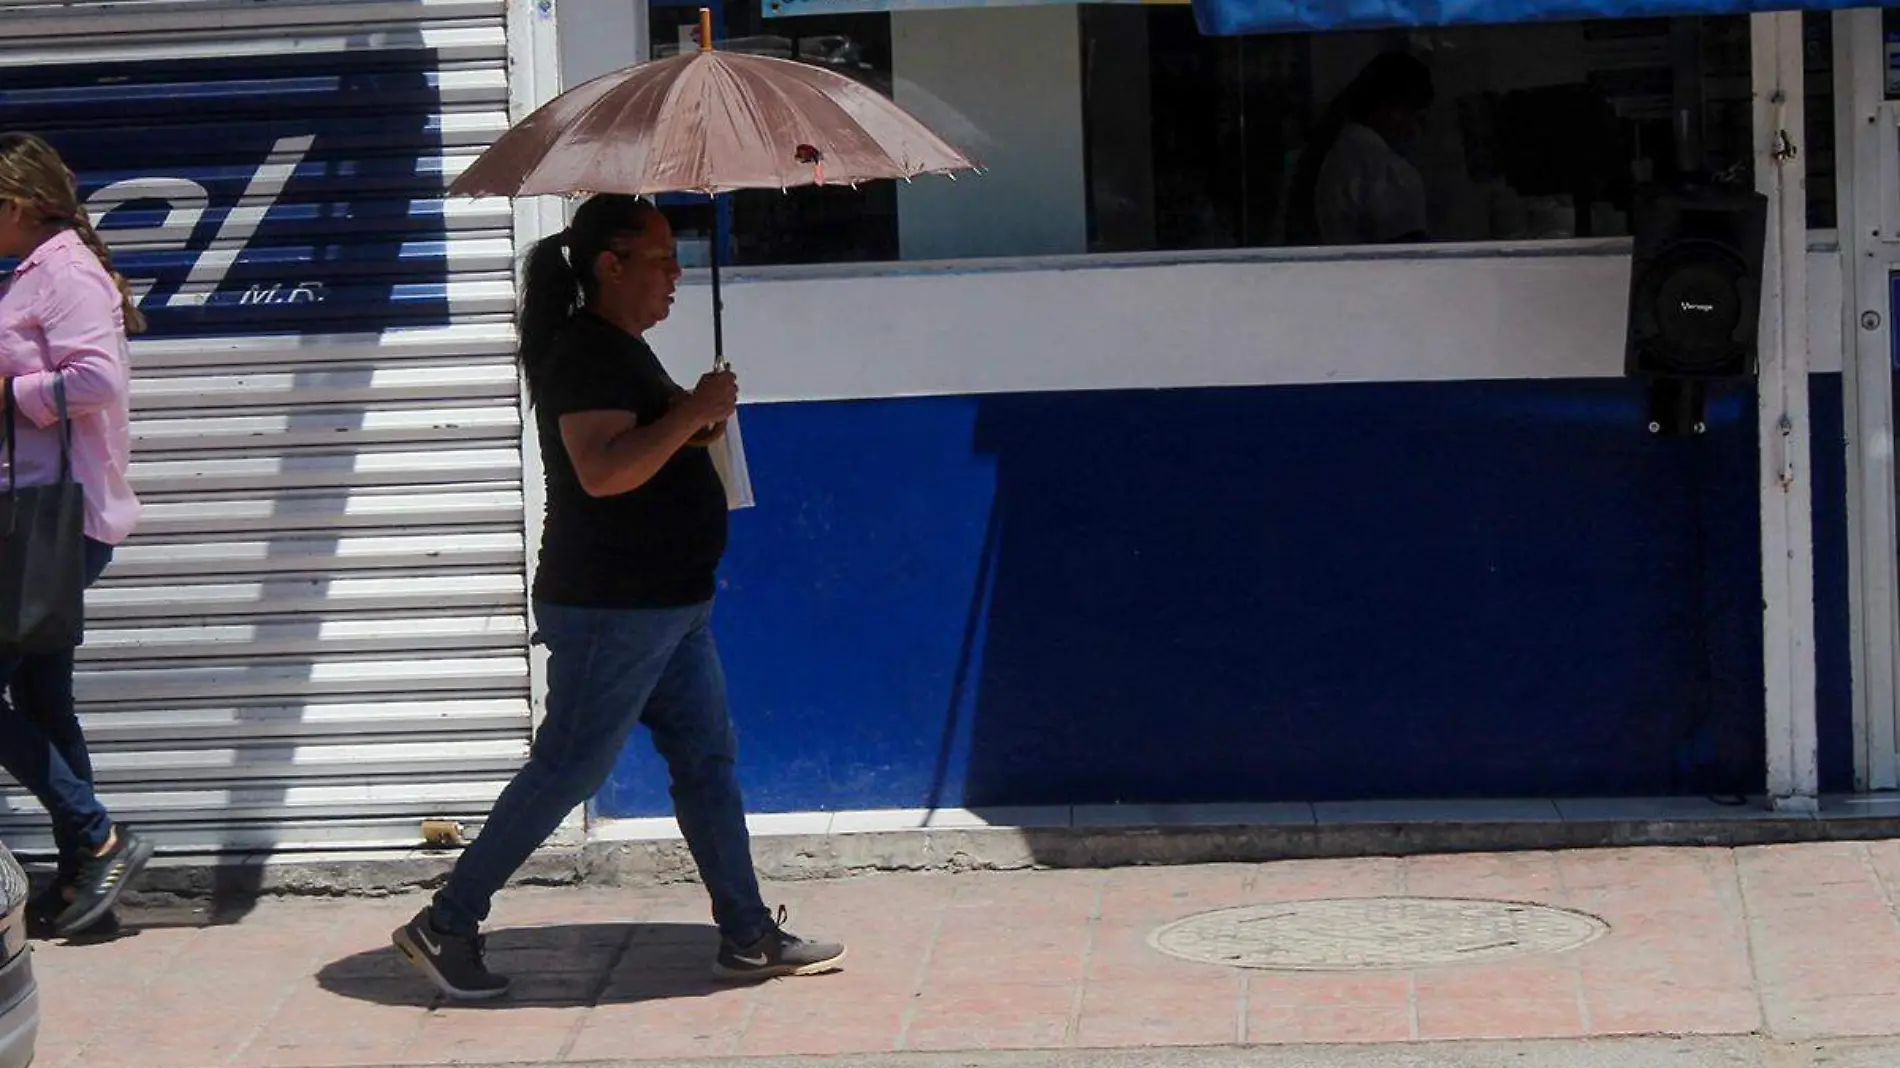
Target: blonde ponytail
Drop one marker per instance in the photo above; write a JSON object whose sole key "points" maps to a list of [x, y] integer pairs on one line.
{"points": [[82, 225]]}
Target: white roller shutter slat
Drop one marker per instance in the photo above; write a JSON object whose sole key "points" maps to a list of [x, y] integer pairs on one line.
{"points": [[326, 470], [148, 561], [325, 638], [493, 342], [318, 594], [279, 678], [332, 512], [326, 385], [250, 801], [293, 429], [162, 725], [318, 635], [202, 765]]}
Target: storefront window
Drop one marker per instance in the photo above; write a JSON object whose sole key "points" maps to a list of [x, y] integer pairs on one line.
{"points": [[1818, 36], [1119, 127]]}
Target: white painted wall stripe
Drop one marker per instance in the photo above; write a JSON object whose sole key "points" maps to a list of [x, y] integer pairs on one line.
{"points": [[935, 330]]}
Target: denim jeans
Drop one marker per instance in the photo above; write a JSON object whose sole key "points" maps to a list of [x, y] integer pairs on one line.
{"points": [[609, 669], [41, 744]]}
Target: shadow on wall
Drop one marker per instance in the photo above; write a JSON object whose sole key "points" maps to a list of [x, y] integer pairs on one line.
{"points": [[1251, 595]]}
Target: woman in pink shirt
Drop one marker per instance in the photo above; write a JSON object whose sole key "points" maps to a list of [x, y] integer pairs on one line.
{"points": [[64, 314]]}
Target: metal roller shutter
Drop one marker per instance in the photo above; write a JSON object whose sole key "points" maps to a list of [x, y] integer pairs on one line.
{"points": [[318, 636]]}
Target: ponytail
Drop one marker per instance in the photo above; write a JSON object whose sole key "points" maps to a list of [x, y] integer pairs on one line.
{"points": [[82, 225], [550, 295]]}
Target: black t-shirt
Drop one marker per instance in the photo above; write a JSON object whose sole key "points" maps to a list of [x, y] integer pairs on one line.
{"points": [[655, 547]]}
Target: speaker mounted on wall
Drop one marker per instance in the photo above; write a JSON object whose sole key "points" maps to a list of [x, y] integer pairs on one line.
{"points": [[1695, 295]]}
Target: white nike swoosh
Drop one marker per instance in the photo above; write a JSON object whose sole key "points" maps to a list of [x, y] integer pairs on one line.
{"points": [[428, 943], [757, 962]]}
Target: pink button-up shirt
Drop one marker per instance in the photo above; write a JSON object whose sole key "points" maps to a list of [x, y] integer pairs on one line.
{"points": [[61, 317]]}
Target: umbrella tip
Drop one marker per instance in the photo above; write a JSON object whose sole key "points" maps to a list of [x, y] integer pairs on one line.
{"points": [[705, 29]]}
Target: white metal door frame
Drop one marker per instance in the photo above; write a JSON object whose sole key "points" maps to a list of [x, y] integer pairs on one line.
{"points": [[1869, 201], [534, 52], [1786, 476]]}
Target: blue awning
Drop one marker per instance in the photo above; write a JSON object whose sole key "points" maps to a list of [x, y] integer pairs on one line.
{"points": [[1226, 18]]}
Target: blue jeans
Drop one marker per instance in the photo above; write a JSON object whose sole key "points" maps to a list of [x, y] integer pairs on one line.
{"points": [[41, 744], [609, 669]]}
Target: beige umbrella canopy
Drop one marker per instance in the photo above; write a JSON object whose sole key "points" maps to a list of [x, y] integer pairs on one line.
{"points": [[709, 122]]}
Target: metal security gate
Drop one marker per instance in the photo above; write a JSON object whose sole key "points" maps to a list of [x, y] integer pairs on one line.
{"points": [[318, 636]]}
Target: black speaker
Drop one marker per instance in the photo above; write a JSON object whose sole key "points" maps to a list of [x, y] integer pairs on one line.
{"points": [[1695, 283]]}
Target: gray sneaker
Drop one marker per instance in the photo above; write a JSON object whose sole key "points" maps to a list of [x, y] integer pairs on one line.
{"points": [[452, 962], [780, 952]]}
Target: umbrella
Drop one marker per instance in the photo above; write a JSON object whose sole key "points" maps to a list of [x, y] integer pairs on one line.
{"points": [[709, 122]]}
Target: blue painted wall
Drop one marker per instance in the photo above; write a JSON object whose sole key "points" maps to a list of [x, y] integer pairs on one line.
{"points": [[1289, 593]]}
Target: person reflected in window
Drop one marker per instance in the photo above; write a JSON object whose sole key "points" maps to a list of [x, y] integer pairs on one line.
{"points": [[1353, 184]]}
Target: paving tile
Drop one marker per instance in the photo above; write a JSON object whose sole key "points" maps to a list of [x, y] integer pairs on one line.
{"points": [[1493, 1018], [1158, 895], [1279, 1023], [1291, 880], [1837, 1016], [991, 1016], [319, 1028], [556, 988], [1551, 978], [588, 949], [1011, 900], [1325, 989], [820, 1016], [1129, 1012], [1039, 955], [513, 1034], [1639, 1010], [195, 1016], [1828, 895], [662, 1027], [1530, 877]]}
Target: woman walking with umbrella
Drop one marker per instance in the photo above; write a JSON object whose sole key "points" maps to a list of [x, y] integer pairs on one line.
{"points": [[636, 510], [636, 525]]}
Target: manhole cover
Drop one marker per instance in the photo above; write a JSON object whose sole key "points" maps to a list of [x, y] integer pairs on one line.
{"points": [[1362, 934]]}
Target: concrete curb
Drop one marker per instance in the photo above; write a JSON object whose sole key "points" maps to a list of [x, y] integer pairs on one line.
{"points": [[793, 857], [1739, 1051]]}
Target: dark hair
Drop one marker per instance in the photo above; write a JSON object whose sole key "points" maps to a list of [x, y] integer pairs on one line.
{"points": [[1392, 78], [558, 279]]}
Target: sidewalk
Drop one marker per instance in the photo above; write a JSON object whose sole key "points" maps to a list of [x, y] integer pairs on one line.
{"points": [[1796, 942]]}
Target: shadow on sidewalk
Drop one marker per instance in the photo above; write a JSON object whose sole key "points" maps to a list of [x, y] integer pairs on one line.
{"points": [[560, 965]]}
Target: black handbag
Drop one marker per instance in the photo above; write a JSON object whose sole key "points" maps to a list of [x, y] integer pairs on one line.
{"points": [[42, 550]]}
